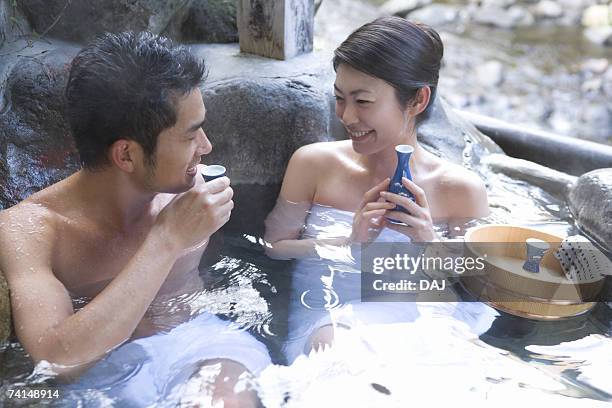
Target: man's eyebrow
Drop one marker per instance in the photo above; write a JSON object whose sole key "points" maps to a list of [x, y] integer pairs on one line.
{"points": [[355, 92], [197, 126]]}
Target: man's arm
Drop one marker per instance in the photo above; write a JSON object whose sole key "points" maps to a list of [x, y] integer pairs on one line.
{"points": [[45, 322]]}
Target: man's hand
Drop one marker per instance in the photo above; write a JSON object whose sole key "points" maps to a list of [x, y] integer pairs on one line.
{"points": [[195, 215]]}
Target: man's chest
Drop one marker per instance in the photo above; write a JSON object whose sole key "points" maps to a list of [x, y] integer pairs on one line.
{"points": [[86, 260]]}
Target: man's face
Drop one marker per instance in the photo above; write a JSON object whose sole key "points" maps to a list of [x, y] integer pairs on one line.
{"points": [[180, 148]]}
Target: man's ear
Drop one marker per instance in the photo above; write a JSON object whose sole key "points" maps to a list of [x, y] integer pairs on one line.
{"points": [[123, 153], [421, 100]]}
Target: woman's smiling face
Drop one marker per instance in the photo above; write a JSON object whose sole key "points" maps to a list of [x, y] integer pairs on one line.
{"points": [[369, 110]]}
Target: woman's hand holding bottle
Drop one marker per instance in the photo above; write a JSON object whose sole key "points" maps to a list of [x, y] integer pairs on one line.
{"points": [[418, 223], [368, 219]]}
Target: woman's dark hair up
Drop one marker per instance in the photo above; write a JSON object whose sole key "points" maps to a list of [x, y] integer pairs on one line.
{"points": [[405, 54]]}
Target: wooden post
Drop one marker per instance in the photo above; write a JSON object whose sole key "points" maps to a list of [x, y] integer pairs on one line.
{"points": [[278, 29]]}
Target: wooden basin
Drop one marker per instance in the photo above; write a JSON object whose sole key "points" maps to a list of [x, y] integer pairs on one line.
{"points": [[505, 285]]}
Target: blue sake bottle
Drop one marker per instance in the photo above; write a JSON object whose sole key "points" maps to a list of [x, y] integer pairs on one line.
{"points": [[403, 170]]}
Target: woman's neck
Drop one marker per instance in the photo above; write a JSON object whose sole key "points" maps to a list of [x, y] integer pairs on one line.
{"points": [[382, 164]]}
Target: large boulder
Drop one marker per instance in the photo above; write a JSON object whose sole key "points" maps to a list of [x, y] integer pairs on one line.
{"points": [[12, 23], [82, 20], [590, 200], [554, 182], [255, 126], [453, 138], [211, 21], [208, 21], [266, 120], [36, 149]]}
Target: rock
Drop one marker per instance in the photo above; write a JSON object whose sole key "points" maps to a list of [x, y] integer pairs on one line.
{"points": [[81, 21], [607, 83], [261, 118], [35, 144], [12, 23], [598, 118], [547, 9], [336, 19], [435, 15], [497, 3], [402, 7], [520, 16], [490, 74], [581, 4], [235, 109], [595, 65], [572, 11], [454, 138], [207, 21], [560, 122], [493, 16], [599, 35], [592, 85], [597, 16], [5, 311], [498, 17], [554, 182], [590, 200]]}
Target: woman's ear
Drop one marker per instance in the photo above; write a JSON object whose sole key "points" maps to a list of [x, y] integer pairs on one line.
{"points": [[421, 100], [122, 154]]}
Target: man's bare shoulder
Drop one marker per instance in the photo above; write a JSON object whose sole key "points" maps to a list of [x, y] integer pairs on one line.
{"points": [[27, 217], [39, 214], [52, 200], [27, 235]]}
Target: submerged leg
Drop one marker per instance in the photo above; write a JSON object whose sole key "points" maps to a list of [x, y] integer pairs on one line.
{"points": [[214, 384], [323, 337]]}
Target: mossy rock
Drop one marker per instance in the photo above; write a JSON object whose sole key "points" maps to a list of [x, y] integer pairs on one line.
{"points": [[5, 311]]}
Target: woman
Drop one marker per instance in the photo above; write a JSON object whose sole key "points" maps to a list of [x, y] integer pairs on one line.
{"points": [[386, 78]]}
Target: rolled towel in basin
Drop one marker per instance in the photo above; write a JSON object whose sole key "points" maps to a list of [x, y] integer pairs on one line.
{"points": [[581, 260]]}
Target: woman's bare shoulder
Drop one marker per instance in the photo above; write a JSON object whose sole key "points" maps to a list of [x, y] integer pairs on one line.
{"points": [[320, 152], [307, 166], [465, 189]]}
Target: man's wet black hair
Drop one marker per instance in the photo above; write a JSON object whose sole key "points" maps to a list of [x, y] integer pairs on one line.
{"points": [[126, 85], [404, 54]]}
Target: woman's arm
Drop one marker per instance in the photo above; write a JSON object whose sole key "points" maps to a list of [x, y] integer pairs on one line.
{"points": [[285, 222]]}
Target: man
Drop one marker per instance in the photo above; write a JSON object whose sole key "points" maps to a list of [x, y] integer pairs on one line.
{"points": [[130, 227]]}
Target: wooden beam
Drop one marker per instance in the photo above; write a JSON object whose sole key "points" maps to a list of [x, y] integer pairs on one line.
{"points": [[278, 29]]}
